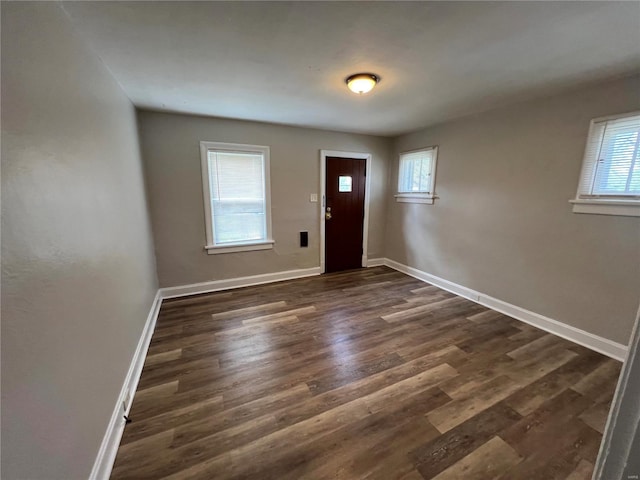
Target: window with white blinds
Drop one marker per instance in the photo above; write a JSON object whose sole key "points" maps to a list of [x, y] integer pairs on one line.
{"points": [[237, 204], [416, 176], [610, 177]]}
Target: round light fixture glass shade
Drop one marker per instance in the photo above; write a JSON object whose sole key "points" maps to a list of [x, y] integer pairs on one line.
{"points": [[362, 82]]}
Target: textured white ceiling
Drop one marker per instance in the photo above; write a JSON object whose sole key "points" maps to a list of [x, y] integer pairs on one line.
{"points": [[286, 62]]}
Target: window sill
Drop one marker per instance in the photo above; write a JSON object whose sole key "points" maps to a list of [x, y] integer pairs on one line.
{"points": [[239, 247], [415, 198], [625, 208]]}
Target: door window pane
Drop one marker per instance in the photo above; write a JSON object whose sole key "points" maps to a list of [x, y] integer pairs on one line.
{"points": [[344, 184]]}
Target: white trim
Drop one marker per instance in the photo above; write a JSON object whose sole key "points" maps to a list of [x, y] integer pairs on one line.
{"points": [[611, 461], [323, 204], [111, 441], [415, 198], [628, 208], [375, 262], [437, 281], [584, 202], [239, 247], [217, 285], [594, 342], [365, 220], [586, 339], [616, 116], [206, 191], [428, 196]]}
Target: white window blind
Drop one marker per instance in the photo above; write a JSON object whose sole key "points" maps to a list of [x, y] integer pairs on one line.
{"points": [[611, 166], [416, 176], [237, 197], [415, 172], [236, 190]]}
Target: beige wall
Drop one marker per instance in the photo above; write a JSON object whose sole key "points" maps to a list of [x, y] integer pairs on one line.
{"points": [[78, 273], [170, 146], [503, 225], [78, 270]]}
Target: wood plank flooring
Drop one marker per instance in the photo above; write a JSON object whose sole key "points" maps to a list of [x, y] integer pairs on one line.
{"points": [[367, 374]]}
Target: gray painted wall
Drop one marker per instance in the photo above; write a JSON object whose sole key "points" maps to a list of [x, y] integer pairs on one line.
{"points": [[78, 271], [503, 225], [171, 151]]}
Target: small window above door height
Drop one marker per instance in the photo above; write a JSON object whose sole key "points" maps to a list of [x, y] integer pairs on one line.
{"points": [[416, 176]]}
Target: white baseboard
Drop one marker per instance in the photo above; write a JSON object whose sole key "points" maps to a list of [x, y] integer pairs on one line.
{"points": [[437, 281], [217, 285], [375, 262], [111, 441], [594, 342], [109, 448]]}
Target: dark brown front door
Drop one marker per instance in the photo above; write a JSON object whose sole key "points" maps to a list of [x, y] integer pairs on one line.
{"points": [[344, 218]]}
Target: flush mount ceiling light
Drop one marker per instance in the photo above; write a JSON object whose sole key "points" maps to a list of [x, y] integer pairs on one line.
{"points": [[362, 82]]}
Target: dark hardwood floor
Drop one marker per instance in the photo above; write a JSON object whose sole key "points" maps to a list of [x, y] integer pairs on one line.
{"points": [[361, 374]]}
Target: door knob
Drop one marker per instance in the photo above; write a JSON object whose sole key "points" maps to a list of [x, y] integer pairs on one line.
{"points": [[327, 215]]}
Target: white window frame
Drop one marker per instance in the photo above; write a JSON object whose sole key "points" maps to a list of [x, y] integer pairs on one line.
{"points": [[622, 205], [428, 196], [211, 247]]}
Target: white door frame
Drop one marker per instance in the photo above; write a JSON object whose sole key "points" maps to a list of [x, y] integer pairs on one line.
{"points": [[323, 204]]}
